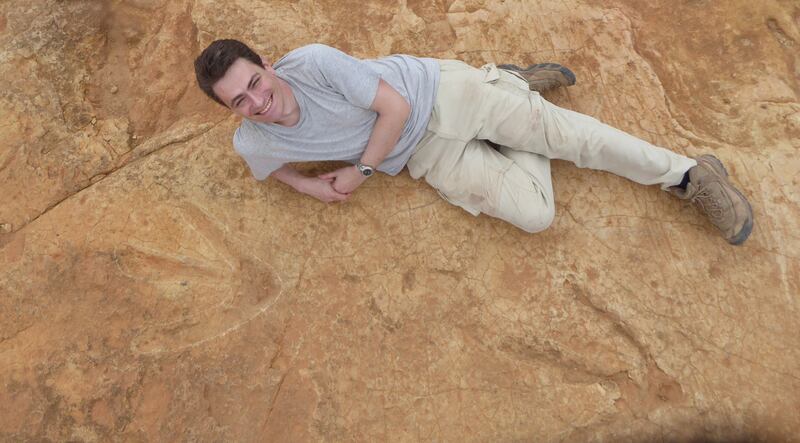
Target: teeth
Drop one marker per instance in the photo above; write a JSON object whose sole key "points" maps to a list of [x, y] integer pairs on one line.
{"points": [[266, 107]]}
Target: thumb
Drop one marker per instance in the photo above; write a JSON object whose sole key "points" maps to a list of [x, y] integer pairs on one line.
{"points": [[328, 176]]}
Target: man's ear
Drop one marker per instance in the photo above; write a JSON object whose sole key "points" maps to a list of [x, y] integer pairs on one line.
{"points": [[267, 66]]}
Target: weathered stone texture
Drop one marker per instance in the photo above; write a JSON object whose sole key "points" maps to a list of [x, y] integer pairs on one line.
{"points": [[151, 290]]}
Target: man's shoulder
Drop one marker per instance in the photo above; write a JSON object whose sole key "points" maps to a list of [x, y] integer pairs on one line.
{"points": [[303, 54], [248, 136]]}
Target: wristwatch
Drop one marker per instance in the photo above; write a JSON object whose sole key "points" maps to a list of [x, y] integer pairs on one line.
{"points": [[365, 170]]}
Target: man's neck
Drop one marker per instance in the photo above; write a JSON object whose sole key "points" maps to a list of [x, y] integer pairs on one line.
{"points": [[294, 116]]}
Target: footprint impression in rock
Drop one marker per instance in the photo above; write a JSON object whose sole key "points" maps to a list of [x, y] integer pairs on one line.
{"points": [[195, 285]]}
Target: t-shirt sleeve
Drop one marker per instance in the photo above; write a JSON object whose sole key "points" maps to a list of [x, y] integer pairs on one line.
{"points": [[260, 165], [349, 76]]}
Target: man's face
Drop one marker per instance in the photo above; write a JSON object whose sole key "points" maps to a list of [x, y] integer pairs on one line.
{"points": [[255, 92]]}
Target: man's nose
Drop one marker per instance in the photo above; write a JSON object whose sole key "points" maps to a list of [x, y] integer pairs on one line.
{"points": [[256, 99]]}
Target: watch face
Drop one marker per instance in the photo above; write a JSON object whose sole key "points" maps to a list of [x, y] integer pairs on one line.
{"points": [[366, 171]]}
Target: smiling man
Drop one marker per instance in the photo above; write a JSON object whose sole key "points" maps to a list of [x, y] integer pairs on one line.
{"points": [[482, 137]]}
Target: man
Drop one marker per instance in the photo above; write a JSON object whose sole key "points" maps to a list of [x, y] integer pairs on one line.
{"points": [[482, 137]]}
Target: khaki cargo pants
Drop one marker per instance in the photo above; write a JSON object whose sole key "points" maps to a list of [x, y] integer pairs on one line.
{"points": [[513, 182]]}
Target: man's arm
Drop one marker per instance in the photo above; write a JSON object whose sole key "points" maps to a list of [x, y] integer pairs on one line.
{"points": [[393, 111], [317, 187]]}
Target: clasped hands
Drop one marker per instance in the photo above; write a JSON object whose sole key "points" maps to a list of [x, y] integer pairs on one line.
{"points": [[335, 185]]}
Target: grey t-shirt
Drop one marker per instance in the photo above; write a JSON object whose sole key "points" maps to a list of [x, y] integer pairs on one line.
{"points": [[334, 92]]}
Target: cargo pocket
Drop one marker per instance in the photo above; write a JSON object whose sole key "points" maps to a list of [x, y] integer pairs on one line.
{"points": [[477, 185]]}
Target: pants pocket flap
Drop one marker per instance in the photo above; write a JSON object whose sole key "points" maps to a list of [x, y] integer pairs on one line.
{"points": [[492, 73]]}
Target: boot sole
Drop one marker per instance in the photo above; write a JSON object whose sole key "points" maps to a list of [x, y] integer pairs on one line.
{"points": [[744, 233], [747, 228], [566, 72]]}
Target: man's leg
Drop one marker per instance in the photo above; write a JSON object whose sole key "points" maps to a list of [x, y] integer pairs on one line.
{"points": [[528, 122], [514, 186], [523, 120], [469, 173], [590, 143], [495, 105]]}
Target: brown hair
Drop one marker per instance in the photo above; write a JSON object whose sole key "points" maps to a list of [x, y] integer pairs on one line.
{"points": [[212, 64]]}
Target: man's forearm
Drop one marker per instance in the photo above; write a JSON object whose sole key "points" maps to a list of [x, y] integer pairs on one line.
{"points": [[290, 176]]}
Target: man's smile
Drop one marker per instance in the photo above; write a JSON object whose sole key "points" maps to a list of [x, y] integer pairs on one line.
{"points": [[266, 107]]}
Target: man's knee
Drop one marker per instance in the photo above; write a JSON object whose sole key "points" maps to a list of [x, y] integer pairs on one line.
{"points": [[537, 220]]}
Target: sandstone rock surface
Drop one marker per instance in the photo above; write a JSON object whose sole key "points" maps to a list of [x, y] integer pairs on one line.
{"points": [[151, 290]]}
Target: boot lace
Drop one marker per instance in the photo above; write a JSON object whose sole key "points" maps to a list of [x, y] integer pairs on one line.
{"points": [[705, 199]]}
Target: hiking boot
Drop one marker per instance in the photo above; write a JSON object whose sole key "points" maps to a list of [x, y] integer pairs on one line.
{"points": [[543, 76], [725, 206]]}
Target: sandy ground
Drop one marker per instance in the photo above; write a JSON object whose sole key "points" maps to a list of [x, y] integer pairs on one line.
{"points": [[152, 290]]}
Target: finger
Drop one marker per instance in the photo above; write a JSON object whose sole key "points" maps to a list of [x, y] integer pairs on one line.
{"points": [[336, 187], [328, 175], [337, 196]]}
